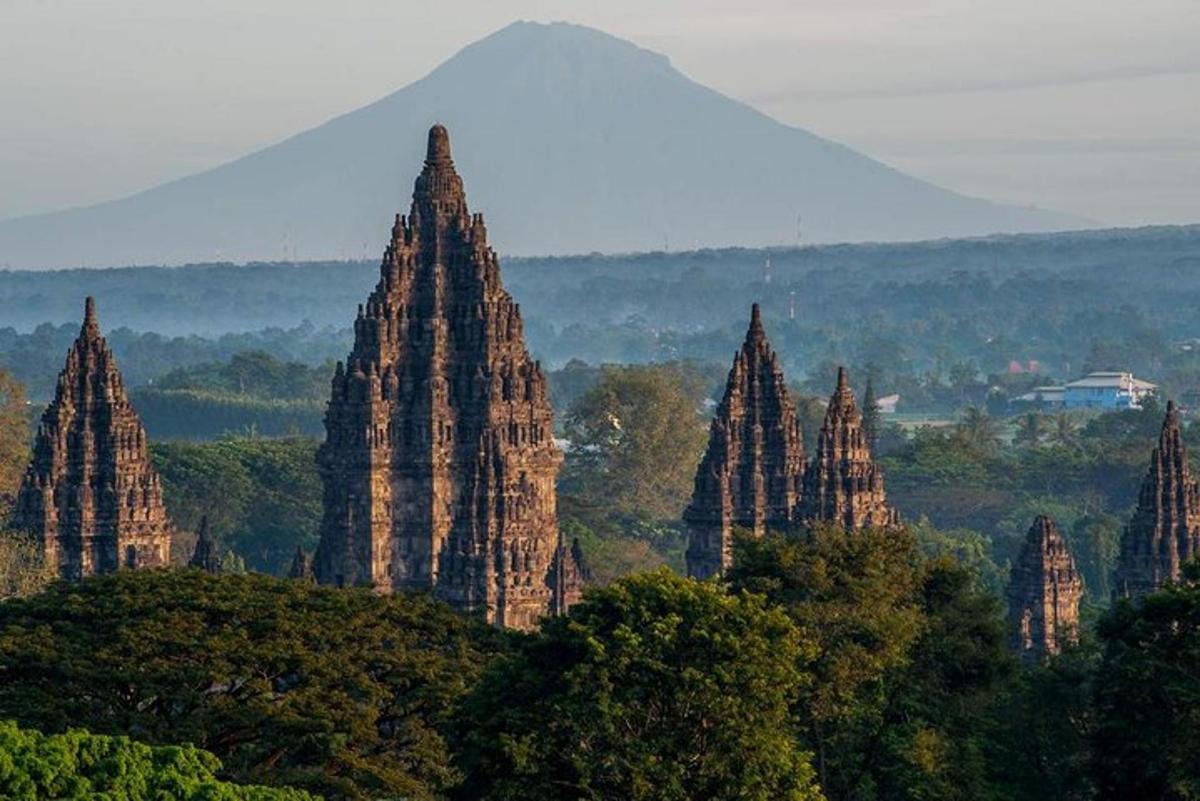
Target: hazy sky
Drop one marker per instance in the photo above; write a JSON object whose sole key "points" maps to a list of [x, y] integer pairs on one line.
{"points": [[1087, 106]]}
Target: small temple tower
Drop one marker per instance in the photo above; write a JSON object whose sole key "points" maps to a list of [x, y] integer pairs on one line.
{"points": [[751, 476], [844, 485], [1164, 531], [205, 556], [439, 462], [1043, 593], [90, 494], [301, 566]]}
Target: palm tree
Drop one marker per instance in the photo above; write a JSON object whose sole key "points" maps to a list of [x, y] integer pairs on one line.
{"points": [[1065, 432], [977, 429]]}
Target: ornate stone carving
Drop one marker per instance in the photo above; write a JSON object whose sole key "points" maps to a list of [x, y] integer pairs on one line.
{"points": [[90, 493], [439, 463], [752, 473], [1164, 531], [1043, 593], [843, 484]]}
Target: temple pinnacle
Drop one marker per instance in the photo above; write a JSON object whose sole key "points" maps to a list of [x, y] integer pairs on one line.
{"points": [[439, 144], [843, 382], [91, 324], [755, 332]]}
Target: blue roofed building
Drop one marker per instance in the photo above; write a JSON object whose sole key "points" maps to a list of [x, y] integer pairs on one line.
{"points": [[1106, 391]]}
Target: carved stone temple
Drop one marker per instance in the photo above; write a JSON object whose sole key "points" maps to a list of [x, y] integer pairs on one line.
{"points": [[844, 484], [439, 462], [752, 474], [205, 556], [1164, 531], [1043, 593], [301, 567], [90, 494]]}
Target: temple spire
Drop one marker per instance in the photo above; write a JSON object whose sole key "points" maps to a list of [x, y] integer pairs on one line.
{"points": [[439, 204], [90, 494], [438, 149], [755, 333], [1164, 531], [91, 324], [1043, 593], [752, 472], [205, 556], [844, 485], [441, 403]]}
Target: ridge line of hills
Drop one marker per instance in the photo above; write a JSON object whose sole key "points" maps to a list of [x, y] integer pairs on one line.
{"points": [[570, 140]]}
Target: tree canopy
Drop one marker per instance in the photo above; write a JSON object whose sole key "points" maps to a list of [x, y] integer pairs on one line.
{"points": [[656, 688], [1147, 698], [78, 766], [341, 692]]}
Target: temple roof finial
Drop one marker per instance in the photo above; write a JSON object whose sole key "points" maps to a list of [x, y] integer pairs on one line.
{"points": [[755, 333], [843, 381], [90, 322], [439, 144]]}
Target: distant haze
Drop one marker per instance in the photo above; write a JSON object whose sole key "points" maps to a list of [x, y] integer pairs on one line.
{"points": [[571, 141], [1078, 106]]}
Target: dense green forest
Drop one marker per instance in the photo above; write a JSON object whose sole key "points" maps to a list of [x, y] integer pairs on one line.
{"points": [[872, 666], [932, 321], [848, 667]]}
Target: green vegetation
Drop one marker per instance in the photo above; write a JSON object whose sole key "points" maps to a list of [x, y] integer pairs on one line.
{"points": [[1148, 698], [15, 434], [262, 496], [908, 653], [35, 358], [854, 667], [636, 436], [848, 667], [253, 392], [22, 569], [936, 322], [343, 693], [654, 689], [969, 479], [80, 766]]}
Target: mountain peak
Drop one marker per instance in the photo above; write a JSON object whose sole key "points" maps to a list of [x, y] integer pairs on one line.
{"points": [[573, 141]]}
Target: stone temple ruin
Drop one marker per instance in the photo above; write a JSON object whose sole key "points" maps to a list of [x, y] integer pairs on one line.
{"points": [[439, 463], [90, 494], [1164, 531], [1043, 593], [755, 476]]}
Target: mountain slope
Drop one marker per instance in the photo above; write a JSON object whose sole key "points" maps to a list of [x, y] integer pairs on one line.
{"points": [[569, 140]]}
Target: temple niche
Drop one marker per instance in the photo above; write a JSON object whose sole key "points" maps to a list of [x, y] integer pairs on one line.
{"points": [[90, 495], [439, 463]]}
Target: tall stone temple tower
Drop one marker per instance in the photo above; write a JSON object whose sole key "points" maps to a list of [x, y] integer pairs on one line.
{"points": [[1043, 593], [439, 462], [90, 494], [1164, 531], [752, 474], [843, 484]]}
